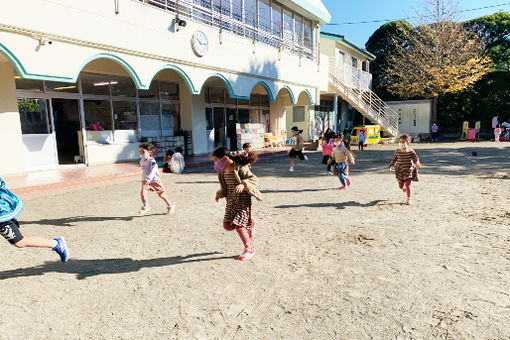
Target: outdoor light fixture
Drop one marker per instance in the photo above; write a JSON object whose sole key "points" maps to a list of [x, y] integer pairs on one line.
{"points": [[179, 23], [104, 83]]}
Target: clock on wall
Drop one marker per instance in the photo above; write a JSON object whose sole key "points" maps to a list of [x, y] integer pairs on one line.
{"points": [[199, 43]]}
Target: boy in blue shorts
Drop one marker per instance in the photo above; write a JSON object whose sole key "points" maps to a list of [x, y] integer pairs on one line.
{"points": [[10, 208]]}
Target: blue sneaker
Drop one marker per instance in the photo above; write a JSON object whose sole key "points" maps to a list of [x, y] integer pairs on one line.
{"points": [[61, 249]]}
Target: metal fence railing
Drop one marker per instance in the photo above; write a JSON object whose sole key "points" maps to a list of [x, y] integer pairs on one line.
{"points": [[231, 18]]}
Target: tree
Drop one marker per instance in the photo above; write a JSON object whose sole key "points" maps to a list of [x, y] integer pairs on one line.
{"points": [[439, 56], [494, 30], [382, 44]]}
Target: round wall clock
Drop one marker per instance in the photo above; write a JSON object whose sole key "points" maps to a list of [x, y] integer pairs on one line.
{"points": [[199, 43]]}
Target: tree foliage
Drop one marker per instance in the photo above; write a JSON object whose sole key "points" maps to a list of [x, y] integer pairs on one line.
{"points": [[438, 56]]}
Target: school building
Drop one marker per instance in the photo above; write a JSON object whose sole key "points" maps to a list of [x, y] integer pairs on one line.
{"points": [[86, 81]]}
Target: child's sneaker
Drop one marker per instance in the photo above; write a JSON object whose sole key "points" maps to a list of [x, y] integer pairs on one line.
{"points": [[291, 169], [409, 201], [348, 181], [251, 228], [143, 210], [61, 249], [342, 187], [306, 159], [247, 253], [329, 173], [171, 209]]}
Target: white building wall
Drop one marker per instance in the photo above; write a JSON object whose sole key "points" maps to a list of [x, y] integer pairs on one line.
{"points": [[414, 115]]}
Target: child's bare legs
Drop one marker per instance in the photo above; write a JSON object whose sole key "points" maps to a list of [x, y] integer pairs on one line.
{"points": [[292, 162], [143, 195], [165, 198], [35, 241], [406, 187], [228, 226]]}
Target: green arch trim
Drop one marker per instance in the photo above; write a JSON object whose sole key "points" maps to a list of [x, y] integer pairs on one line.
{"points": [[120, 61], [20, 69], [310, 98], [291, 94], [268, 90], [227, 84], [181, 72]]}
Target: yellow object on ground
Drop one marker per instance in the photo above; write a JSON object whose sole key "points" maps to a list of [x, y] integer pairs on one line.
{"points": [[372, 134]]}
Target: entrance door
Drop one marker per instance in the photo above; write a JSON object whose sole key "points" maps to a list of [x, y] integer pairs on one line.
{"points": [[219, 127], [67, 124], [231, 128]]}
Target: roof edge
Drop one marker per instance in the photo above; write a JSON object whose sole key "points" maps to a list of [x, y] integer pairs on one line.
{"points": [[320, 12], [344, 40]]}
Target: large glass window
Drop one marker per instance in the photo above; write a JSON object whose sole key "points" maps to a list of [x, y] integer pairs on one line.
{"points": [[61, 87], [277, 20], [96, 84], [288, 27], [298, 22], [264, 15], [170, 119], [250, 12], [98, 114], [244, 116], [28, 84], [169, 90], [33, 116], [308, 34], [124, 115], [150, 120]]}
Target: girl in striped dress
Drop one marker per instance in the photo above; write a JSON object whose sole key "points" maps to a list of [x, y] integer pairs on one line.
{"points": [[406, 163], [238, 184]]}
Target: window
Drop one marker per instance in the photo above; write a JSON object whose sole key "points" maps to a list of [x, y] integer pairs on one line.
{"points": [[169, 90], [209, 118], [216, 95], [33, 116], [298, 21], [61, 87], [96, 84], [264, 15], [250, 12], [28, 84], [150, 119], [277, 20], [354, 62], [288, 26], [170, 119], [254, 116], [98, 114], [244, 116], [299, 114], [308, 34], [124, 115]]}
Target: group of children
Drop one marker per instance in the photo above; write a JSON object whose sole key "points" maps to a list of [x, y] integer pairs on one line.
{"points": [[237, 185]]}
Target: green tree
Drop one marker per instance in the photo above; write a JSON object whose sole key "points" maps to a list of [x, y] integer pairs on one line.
{"points": [[382, 44], [494, 31]]}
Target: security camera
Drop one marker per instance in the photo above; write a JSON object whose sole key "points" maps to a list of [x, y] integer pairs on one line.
{"points": [[43, 41]]}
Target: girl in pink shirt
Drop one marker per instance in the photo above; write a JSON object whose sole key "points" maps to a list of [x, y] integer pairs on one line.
{"points": [[497, 133], [327, 148]]}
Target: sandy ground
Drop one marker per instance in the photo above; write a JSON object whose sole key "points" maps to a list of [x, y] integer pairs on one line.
{"points": [[330, 264]]}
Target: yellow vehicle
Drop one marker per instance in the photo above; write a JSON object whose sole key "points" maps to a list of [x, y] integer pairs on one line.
{"points": [[372, 134]]}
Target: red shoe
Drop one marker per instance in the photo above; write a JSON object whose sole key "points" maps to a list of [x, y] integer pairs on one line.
{"points": [[251, 228], [342, 187], [348, 181], [409, 201], [247, 253]]}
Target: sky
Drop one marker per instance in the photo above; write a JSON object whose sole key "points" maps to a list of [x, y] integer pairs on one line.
{"points": [[343, 11]]}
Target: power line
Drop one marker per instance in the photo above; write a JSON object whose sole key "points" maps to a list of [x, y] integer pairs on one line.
{"points": [[413, 17]]}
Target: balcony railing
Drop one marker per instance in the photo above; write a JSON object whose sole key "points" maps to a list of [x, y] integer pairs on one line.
{"points": [[227, 17], [354, 77]]}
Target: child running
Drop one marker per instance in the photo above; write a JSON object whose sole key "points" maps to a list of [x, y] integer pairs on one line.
{"points": [[297, 147], [151, 179], [340, 157], [327, 148], [237, 185], [406, 163], [10, 208]]}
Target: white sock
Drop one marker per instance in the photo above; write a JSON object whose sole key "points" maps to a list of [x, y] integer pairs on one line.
{"points": [[145, 204], [55, 243]]}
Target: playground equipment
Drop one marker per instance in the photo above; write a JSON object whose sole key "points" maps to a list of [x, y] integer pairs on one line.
{"points": [[470, 134], [372, 134]]}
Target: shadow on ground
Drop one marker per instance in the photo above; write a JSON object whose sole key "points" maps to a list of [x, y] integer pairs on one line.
{"points": [[465, 160], [87, 268], [336, 205], [71, 221]]}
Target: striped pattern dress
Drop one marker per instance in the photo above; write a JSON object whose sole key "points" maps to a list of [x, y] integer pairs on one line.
{"points": [[405, 165], [238, 209]]}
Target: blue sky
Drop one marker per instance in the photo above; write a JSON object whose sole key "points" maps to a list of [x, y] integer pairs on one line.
{"points": [[368, 10]]}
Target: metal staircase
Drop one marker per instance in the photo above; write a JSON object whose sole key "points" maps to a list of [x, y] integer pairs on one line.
{"points": [[366, 102]]}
